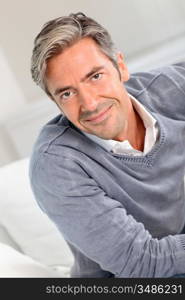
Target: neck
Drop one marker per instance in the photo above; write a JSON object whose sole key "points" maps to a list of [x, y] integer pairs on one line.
{"points": [[139, 133], [135, 130]]}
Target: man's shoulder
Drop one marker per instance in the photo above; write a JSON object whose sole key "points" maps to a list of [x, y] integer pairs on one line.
{"points": [[142, 81], [161, 90], [50, 132], [49, 143], [58, 139]]}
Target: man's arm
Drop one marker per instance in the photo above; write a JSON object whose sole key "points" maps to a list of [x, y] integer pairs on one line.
{"points": [[100, 226]]}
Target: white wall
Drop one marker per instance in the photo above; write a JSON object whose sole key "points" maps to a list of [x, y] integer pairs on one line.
{"points": [[12, 100], [12, 97], [150, 33]]}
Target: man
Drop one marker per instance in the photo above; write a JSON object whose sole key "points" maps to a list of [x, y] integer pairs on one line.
{"points": [[110, 170]]}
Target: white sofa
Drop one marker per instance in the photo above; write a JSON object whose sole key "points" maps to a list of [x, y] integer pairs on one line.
{"points": [[30, 244]]}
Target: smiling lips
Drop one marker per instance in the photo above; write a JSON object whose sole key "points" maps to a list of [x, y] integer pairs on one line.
{"points": [[99, 118]]}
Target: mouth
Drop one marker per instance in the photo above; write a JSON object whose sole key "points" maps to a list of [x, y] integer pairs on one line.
{"points": [[100, 117]]}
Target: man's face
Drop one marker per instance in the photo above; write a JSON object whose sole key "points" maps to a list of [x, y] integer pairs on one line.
{"points": [[88, 89]]}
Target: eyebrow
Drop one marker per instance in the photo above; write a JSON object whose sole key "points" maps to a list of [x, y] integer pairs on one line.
{"points": [[60, 90], [89, 74]]}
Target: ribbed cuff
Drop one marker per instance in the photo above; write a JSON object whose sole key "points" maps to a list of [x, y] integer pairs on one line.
{"points": [[179, 242]]}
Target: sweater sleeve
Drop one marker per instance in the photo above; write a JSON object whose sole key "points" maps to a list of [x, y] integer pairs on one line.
{"points": [[99, 226]]}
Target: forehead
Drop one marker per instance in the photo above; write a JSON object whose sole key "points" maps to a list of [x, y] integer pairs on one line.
{"points": [[81, 55]]}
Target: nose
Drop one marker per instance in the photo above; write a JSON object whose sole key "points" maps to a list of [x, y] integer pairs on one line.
{"points": [[88, 99]]}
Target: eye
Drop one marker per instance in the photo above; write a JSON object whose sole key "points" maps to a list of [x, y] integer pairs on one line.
{"points": [[66, 95], [97, 76]]}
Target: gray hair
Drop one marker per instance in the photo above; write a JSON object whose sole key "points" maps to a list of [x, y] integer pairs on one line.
{"points": [[60, 33]]}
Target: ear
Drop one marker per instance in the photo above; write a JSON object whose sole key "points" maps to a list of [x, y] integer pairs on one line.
{"points": [[122, 67]]}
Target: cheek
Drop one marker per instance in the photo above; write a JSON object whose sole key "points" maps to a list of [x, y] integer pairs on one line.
{"points": [[71, 111]]}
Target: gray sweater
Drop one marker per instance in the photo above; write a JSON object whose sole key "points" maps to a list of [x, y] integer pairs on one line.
{"points": [[122, 216]]}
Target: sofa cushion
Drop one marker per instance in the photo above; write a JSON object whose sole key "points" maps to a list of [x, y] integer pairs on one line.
{"points": [[24, 221]]}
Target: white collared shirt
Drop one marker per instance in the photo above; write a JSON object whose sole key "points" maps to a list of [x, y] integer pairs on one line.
{"points": [[124, 147]]}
